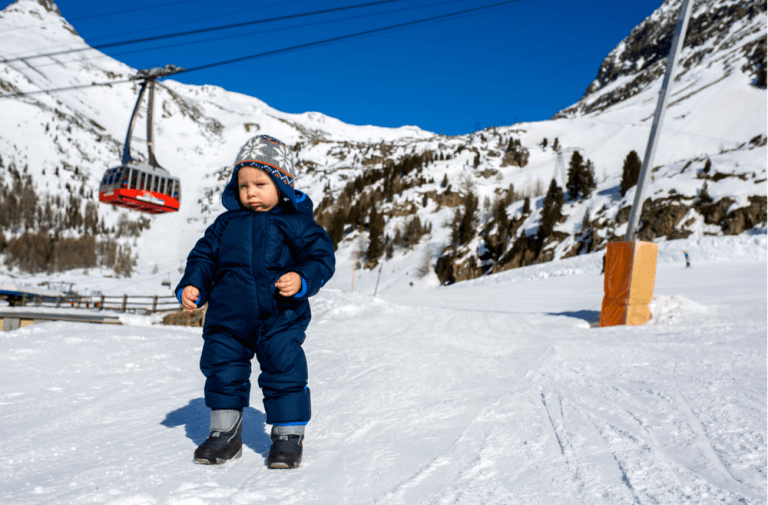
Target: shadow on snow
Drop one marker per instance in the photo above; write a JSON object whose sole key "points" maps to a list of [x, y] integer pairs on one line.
{"points": [[590, 316], [195, 417]]}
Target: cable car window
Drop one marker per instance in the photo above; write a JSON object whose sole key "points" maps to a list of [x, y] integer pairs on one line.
{"points": [[126, 177], [134, 179], [155, 183], [162, 185], [142, 177]]}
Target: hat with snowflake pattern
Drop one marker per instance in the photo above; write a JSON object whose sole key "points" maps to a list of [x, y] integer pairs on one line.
{"points": [[270, 155]]}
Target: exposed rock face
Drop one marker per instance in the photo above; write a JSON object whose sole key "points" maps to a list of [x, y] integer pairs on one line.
{"points": [[660, 218], [723, 31], [517, 157]]}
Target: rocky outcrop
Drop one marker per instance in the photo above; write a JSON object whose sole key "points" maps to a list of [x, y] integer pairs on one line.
{"points": [[723, 31]]}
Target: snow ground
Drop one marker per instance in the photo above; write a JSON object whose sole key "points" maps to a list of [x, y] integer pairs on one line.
{"points": [[495, 391]]}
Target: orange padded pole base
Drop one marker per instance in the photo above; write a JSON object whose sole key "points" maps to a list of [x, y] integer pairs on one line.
{"points": [[630, 273]]}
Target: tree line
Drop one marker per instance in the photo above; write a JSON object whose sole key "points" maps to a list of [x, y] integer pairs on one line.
{"points": [[55, 233], [356, 206], [498, 235]]}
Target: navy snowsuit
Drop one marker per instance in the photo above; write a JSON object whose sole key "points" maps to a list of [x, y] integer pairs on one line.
{"points": [[235, 266]]}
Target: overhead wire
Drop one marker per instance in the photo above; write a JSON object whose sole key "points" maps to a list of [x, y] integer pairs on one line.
{"points": [[202, 30], [134, 9], [351, 35], [397, 26], [194, 20], [65, 88], [249, 34], [104, 14]]}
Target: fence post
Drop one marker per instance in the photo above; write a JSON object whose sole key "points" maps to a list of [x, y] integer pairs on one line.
{"points": [[125, 302], [58, 302], [101, 303], [24, 300], [154, 305]]}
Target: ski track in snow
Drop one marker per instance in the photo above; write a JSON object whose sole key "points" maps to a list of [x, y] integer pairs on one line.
{"points": [[476, 394]]}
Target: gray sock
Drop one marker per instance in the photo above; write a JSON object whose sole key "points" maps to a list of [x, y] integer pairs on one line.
{"points": [[225, 420], [297, 429]]}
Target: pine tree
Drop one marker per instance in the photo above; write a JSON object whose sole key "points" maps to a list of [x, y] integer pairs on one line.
{"points": [[630, 172], [526, 205], [544, 143], [575, 183], [556, 144], [501, 218], [590, 179], [466, 225], [445, 181], [551, 212], [586, 236], [585, 222], [375, 235], [336, 228]]}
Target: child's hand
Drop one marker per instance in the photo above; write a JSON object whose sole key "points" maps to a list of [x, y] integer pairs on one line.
{"points": [[189, 298], [289, 284]]}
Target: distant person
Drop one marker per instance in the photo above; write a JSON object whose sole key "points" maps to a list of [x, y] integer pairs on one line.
{"points": [[687, 260], [256, 266]]}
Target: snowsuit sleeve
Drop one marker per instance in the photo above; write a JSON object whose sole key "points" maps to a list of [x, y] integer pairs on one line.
{"points": [[200, 271], [315, 261]]}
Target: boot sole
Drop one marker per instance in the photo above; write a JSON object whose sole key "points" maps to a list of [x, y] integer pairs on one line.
{"points": [[219, 461], [282, 466]]}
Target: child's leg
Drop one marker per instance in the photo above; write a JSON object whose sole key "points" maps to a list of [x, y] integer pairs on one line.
{"points": [[226, 364], [283, 377]]}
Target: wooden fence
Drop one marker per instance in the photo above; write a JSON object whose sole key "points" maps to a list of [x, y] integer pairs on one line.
{"points": [[136, 304]]}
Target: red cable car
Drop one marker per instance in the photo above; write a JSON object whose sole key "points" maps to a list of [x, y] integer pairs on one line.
{"points": [[146, 187]]}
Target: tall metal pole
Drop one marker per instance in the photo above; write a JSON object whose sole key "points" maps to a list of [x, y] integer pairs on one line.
{"points": [[658, 117]]}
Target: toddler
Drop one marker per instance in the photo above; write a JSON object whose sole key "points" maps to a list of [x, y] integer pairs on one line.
{"points": [[256, 266]]}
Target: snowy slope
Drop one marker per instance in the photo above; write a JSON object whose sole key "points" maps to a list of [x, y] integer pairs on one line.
{"points": [[494, 391]]}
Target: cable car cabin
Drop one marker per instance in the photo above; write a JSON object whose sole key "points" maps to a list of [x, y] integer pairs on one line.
{"points": [[141, 187], [146, 187]]}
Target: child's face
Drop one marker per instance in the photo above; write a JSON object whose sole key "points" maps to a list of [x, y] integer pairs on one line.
{"points": [[258, 192]]}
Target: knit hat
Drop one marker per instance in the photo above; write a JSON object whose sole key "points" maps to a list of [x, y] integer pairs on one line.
{"points": [[270, 155]]}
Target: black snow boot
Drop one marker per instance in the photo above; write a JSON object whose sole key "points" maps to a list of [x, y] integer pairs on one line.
{"points": [[287, 447], [225, 441]]}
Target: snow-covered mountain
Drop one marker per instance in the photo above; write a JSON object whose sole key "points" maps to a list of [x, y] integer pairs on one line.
{"points": [[64, 141]]}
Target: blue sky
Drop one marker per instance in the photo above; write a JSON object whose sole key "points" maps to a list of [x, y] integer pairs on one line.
{"points": [[520, 62]]}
